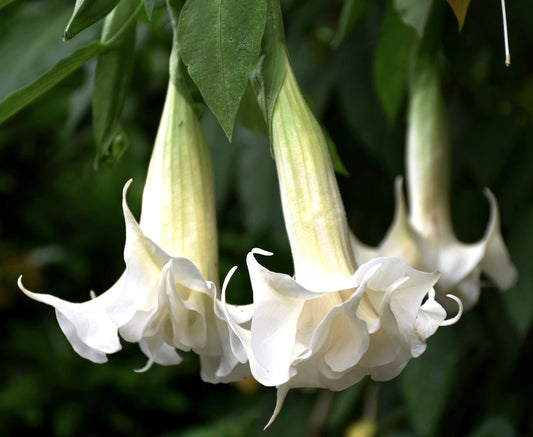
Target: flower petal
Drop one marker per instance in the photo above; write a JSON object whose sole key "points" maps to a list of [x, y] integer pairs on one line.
{"points": [[278, 301], [158, 352], [88, 326], [496, 263]]}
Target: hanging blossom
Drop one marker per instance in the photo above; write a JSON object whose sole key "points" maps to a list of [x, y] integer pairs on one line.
{"points": [[424, 236], [332, 323], [167, 295]]}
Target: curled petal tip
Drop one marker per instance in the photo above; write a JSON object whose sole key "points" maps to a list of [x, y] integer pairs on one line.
{"points": [[128, 183], [280, 398], [146, 367], [227, 278], [454, 319], [22, 288], [258, 251]]}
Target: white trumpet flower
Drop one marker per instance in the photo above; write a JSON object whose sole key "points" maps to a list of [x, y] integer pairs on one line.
{"points": [[167, 296], [331, 323], [423, 236]]}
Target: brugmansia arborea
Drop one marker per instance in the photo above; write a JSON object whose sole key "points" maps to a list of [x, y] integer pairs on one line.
{"points": [[424, 236], [331, 323], [167, 295]]}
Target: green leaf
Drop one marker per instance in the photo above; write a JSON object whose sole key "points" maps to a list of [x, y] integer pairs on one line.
{"points": [[219, 43], [269, 74], [414, 13], [352, 11], [31, 42], [24, 96], [391, 61], [87, 12], [112, 79], [427, 381]]}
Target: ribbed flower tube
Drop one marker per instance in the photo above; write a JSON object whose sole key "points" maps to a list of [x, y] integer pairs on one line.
{"points": [[312, 206], [178, 207]]}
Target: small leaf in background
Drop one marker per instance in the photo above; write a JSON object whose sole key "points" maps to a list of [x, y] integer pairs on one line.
{"points": [[257, 188], [519, 299], [219, 43], [459, 8], [343, 405], [338, 166], [114, 150], [149, 6], [268, 76], [87, 12], [4, 3], [250, 115], [111, 83], [352, 11], [391, 61], [427, 381], [24, 96], [414, 13], [494, 427], [360, 106]]}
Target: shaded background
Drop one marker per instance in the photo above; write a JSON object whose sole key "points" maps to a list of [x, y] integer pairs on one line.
{"points": [[61, 225]]}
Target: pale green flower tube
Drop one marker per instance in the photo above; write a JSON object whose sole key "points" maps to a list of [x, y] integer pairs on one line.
{"points": [[178, 207], [312, 206]]}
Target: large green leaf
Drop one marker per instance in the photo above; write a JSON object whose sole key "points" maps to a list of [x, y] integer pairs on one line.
{"points": [[219, 43], [87, 12], [111, 82], [31, 42], [391, 61], [24, 96]]}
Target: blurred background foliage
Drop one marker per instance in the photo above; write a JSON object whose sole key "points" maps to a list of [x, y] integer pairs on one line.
{"points": [[61, 224]]}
